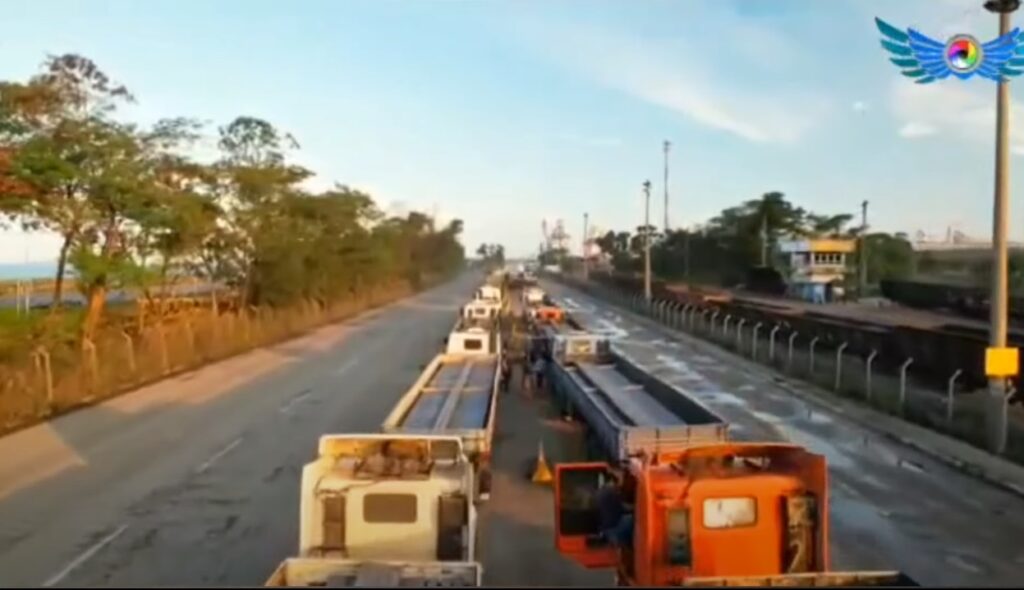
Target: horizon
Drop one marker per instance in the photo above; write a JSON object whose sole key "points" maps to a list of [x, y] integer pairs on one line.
{"points": [[504, 114]]}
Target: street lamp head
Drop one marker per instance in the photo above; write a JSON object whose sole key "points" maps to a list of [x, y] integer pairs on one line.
{"points": [[647, 185], [1002, 6]]}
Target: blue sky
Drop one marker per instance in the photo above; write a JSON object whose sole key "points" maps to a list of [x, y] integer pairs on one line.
{"points": [[504, 113]]}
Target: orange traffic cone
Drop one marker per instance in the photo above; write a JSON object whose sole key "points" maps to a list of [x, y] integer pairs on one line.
{"points": [[542, 473]]}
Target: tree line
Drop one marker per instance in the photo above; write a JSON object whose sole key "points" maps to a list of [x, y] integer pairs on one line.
{"points": [[746, 236], [491, 254], [135, 208]]}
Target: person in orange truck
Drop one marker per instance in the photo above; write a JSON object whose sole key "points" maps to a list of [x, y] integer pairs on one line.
{"points": [[616, 515]]}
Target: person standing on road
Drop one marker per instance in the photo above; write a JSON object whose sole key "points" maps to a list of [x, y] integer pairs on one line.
{"points": [[506, 373], [538, 368]]}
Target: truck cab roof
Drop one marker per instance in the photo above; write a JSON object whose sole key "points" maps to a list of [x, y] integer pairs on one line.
{"points": [[388, 497]]}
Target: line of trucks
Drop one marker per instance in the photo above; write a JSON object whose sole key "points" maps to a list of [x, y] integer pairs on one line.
{"points": [[399, 507]]}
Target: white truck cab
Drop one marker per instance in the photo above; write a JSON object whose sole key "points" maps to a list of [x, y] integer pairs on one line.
{"points": [[388, 499], [488, 293], [481, 310], [473, 340], [385, 510], [533, 296]]}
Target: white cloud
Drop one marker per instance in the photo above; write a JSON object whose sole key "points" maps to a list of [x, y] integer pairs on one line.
{"points": [[964, 111], [665, 74], [915, 129]]}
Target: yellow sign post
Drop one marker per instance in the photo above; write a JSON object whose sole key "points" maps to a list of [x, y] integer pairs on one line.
{"points": [[1002, 362]]}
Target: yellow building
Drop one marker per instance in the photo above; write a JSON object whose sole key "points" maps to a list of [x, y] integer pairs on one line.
{"points": [[817, 267]]}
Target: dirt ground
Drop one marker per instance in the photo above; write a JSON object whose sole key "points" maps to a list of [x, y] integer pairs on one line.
{"points": [[517, 524]]}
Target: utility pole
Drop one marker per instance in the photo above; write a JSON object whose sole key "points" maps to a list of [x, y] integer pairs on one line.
{"points": [[1000, 256], [666, 147], [862, 252], [586, 220], [647, 240]]}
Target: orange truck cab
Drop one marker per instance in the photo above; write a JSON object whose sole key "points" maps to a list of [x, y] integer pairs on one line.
{"points": [[730, 514], [548, 314]]}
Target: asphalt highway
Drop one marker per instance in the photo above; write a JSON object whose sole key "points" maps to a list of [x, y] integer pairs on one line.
{"points": [[194, 480]]}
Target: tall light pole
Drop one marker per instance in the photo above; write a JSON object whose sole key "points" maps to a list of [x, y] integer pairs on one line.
{"points": [[586, 221], [666, 147], [862, 252], [1000, 256], [647, 240]]}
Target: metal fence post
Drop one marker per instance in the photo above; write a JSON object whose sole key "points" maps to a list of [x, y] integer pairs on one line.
{"points": [[810, 367], [693, 318], [164, 353], [93, 365], [45, 372], [789, 360], [771, 343], [681, 316], [839, 364], [739, 334], [714, 315], [950, 392], [903, 383], [753, 342], [867, 376], [725, 326], [130, 349]]}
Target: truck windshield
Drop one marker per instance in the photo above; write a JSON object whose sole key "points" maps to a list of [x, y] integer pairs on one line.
{"points": [[389, 508]]}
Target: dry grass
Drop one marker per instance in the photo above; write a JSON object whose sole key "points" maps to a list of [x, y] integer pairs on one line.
{"points": [[60, 378]]}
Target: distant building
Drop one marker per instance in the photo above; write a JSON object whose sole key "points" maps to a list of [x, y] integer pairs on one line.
{"points": [[817, 267]]}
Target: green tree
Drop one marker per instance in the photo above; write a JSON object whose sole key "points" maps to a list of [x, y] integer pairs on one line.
{"points": [[888, 257], [51, 126]]}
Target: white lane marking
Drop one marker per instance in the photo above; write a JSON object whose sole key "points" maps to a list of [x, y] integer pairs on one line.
{"points": [[209, 462], [345, 367], [56, 578], [961, 563], [298, 398]]}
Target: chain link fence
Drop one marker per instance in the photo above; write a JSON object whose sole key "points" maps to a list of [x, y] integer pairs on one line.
{"points": [[59, 380]]}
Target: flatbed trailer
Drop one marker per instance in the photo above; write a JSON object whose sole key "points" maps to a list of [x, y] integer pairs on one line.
{"points": [[346, 573], [456, 394], [887, 579], [627, 410]]}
